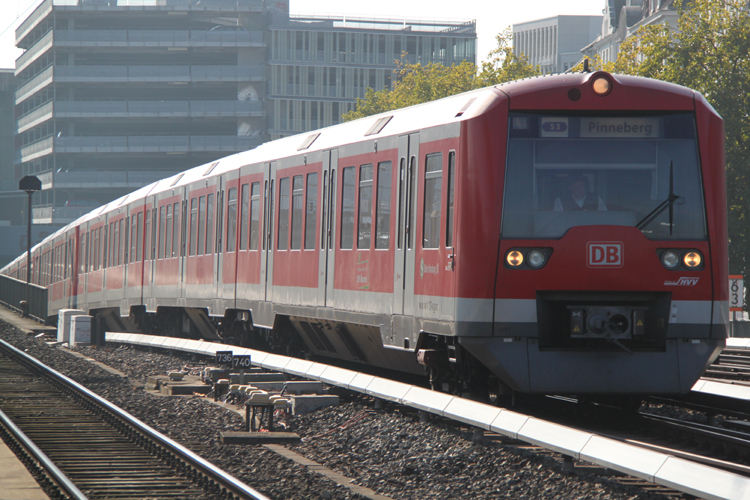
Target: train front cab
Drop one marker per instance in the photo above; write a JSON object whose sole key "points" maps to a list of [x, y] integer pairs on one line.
{"points": [[628, 293]]}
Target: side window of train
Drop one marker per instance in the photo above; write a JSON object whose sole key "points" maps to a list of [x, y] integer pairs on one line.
{"points": [[451, 195], [148, 235], [347, 208], [383, 206], [401, 194], [283, 239], [297, 208], [193, 226], [162, 230], [433, 185], [201, 226], [139, 238], [364, 220], [311, 210], [244, 215], [175, 230], [210, 223], [231, 219], [105, 246], [254, 215], [153, 234], [411, 202], [167, 232], [126, 242]]}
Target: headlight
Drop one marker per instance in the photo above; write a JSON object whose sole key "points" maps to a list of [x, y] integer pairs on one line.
{"points": [[670, 259], [602, 86], [514, 258], [536, 258], [692, 260]]}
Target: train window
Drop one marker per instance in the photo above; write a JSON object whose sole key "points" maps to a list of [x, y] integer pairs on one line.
{"points": [[254, 215], [347, 208], [168, 232], [96, 249], [148, 236], [134, 239], [383, 207], [126, 242], [615, 169], [325, 213], [210, 224], [411, 201], [176, 230], [162, 231], [311, 210], [332, 210], [401, 208], [110, 245], [201, 225], [244, 215], [433, 185], [139, 237], [118, 242], [193, 226], [283, 239], [451, 194], [270, 217], [297, 207], [232, 220], [105, 246], [183, 228], [364, 220], [153, 233]]}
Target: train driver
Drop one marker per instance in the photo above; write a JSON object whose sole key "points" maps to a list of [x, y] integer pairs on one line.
{"points": [[578, 197]]}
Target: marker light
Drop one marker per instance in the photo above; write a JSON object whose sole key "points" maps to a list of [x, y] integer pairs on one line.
{"points": [[692, 260], [536, 259], [602, 86], [514, 258], [670, 259]]}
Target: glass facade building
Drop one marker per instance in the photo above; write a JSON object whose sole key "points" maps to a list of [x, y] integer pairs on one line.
{"points": [[114, 94], [319, 66]]}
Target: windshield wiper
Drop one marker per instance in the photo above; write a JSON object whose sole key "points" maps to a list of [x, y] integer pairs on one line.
{"points": [[670, 202]]}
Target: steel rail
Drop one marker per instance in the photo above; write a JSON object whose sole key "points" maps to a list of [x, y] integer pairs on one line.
{"points": [[206, 468], [61, 480]]}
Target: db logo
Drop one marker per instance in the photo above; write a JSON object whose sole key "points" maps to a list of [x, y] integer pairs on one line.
{"points": [[604, 254]]}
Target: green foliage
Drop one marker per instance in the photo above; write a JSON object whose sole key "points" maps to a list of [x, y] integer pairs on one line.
{"points": [[709, 52], [415, 84]]}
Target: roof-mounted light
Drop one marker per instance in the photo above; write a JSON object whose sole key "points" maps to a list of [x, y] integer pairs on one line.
{"points": [[602, 85]]}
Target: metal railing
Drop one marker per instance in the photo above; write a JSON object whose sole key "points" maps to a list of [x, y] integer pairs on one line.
{"points": [[13, 291]]}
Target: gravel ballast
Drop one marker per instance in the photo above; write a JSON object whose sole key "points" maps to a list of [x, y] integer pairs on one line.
{"points": [[390, 452]]}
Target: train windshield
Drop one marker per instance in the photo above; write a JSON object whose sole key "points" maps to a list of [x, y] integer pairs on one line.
{"points": [[567, 171]]}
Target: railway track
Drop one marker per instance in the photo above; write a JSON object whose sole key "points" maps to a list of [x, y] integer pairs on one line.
{"points": [[101, 450]]}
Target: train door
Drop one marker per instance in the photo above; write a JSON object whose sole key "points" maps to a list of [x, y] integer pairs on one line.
{"points": [[220, 245], [406, 196], [181, 242], [328, 229], [266, 264], [149, 260], [231, 189]]}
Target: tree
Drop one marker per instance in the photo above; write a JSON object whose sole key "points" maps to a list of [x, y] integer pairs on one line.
{"points": [[709, 51], [415, 84]]}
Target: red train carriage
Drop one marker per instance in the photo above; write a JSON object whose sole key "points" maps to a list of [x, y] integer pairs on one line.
{"points": [[564, 234]]}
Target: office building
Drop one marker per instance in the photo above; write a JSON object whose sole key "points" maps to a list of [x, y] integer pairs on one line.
{"points": [[554, 44], [115, 94]]}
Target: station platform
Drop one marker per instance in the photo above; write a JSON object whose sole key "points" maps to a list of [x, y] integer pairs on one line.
{"points": [[16, 481]]}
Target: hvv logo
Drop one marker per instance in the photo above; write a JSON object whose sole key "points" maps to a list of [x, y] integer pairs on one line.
{"points": [[604, 254]]}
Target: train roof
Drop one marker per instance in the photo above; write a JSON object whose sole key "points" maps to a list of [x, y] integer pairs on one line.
{"points": [[452, 109]]}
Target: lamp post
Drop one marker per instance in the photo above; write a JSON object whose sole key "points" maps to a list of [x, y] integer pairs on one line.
{"points": [[30, 183]]}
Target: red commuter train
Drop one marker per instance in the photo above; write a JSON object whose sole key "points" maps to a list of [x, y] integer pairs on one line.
{"points": [[562, 234]]}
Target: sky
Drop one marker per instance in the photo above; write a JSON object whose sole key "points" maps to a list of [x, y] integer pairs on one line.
{"points": [[492, 16]]}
